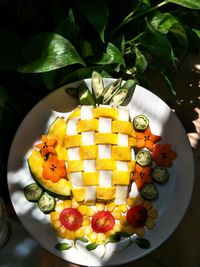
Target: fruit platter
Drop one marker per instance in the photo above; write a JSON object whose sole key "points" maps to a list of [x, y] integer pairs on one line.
{"points": [[99, 173]]}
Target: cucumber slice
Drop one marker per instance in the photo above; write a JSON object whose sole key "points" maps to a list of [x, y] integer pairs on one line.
{"points": [[33, 192], [143, 157], [140, 122], [46, 203], [149, 192], [85, 96], [97, 84], [160, 174]]}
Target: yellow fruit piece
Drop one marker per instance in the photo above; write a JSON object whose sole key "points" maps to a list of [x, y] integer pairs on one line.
{"points": [[86, 221], [130, 201], [88, 152], [123, 220], [101, 238], [100, 206], [110, 206], [73, 140], [74, 203], [124, 127], [122, 153], [88, 229], [121, 178], [80, 232], [90, 178], [75, 166], [131, 165], [59, 206], [128, 229], [61, 152], [116, 214], [70, 234], [153, 213], [117, 227], [92, 237], [88, 125], [150, 223], [132, 142], [75, 113], [91, 212], [106, 138], [105, 112], [83, 209], [54, 215], [140, 231], [105, 193], [61, 232], [56, 224], [105, 164], [122, 208], [79, 194]]}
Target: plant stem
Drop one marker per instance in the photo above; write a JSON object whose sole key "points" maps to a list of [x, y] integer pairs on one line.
{"points": [[135, 38], [130, 16]]}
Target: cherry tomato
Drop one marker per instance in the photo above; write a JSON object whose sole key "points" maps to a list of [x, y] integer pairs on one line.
{"points": [[136, 216], [71, 218], [102, 222]]}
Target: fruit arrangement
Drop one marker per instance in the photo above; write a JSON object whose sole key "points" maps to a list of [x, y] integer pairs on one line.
{"points": [[96, 172]]}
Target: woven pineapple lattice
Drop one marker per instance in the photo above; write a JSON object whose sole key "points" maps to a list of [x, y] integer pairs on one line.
{"points": [[100, 154]]}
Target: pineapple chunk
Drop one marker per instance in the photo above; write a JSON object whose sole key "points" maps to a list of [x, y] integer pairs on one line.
{"points": [[121, 153], [79, 193], [124, 127], [80, 232], [92, 237], [88, 152], [73, 141], [106, 138], [70, 234], [54, 215], [106, 113], [105, 164], [100, 206], [88, 125], [90, 178], [105, 193], [61, 231], [110, 206], [75, 166], [121, 178]]}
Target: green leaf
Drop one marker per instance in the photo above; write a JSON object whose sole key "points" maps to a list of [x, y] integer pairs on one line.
{"points": [[49, 51], [85, 48], [114, 238], [193, 4], [157, 44], [82, 239], [4, 97], [169, 80], [165, 23], [111, 56], [63, 246], [92, 246], [142, 243], [96, 12], [68, 28], [140, 61]]}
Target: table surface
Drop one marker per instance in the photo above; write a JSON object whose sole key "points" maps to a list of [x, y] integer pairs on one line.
{"points": [[182, 248]]}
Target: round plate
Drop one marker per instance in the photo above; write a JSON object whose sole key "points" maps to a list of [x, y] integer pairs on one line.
{"points": [[174, 197]]}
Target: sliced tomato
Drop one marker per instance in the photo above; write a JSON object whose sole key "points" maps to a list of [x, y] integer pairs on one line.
{"points": [[102, 222], [71, 218], [137, 216]]}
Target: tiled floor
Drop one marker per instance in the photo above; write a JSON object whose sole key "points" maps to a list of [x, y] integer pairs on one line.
{"points": [[182, 249]]}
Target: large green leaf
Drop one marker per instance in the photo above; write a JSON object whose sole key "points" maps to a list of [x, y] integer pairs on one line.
{"points": [[48, 51], [157, 44], [112, 55], [165, 23], [96, 12], [140, 61], [194, 4]]}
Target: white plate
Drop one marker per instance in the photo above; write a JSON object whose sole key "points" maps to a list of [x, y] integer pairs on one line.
{"points": [[174, 197]]}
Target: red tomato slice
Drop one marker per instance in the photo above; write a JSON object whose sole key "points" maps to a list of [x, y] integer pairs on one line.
{"points": [[102, 222], [71, 218], [137, 216]]}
